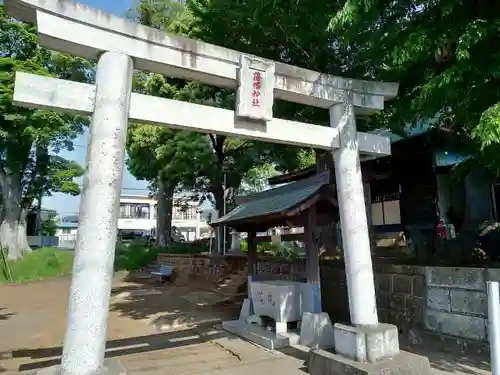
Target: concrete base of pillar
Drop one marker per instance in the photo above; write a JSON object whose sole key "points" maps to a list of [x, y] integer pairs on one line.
{"points": [[110, 367], [316, 331], [322, 362], [260, 335], [246, 309], [371, 343]]}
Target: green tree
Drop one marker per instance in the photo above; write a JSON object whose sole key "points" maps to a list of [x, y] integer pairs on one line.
{"points": [[292, 32], [30, 139], [210, 160], [165, 158], [49, 225], [442, 54]]}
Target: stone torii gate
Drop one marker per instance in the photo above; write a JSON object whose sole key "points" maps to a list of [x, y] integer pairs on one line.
{"points": [[120, 46]]}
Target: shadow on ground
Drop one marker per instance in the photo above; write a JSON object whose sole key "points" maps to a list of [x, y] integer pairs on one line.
{"points": [[451, 360], [4, 316], [45, 357], [164, 306]]}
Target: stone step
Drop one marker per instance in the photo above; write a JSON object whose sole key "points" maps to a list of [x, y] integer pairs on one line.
{"points": [[261, 336]]}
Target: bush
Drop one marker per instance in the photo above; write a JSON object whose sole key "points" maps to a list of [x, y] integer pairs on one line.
{"points": [[270, 249], [136, 255], [41, 264]]}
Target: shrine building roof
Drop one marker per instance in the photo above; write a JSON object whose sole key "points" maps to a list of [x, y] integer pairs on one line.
{"points": [[274, 207]]}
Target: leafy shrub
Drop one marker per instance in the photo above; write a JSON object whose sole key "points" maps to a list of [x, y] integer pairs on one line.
{"points": [[41, 264], [136, 255], [268, 248], [188, 248]]}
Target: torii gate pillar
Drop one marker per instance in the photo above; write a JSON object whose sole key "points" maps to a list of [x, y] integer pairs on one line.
{"points": [[86, 329]]}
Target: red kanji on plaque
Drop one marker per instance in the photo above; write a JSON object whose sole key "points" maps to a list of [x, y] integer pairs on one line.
{"points": [[257, 80]]}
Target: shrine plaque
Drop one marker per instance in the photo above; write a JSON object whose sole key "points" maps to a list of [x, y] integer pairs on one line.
{"points": [[255, 95]]}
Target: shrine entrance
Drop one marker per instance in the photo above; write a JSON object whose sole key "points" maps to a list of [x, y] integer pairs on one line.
{"points": [[120, 46]]}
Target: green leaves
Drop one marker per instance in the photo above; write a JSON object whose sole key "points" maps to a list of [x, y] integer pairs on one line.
{"points": [[488, 129], [31, 138], [441, 52]]}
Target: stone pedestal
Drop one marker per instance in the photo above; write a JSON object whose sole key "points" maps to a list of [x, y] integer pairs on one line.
{"points": [[371, 343], [370, 349], [322, 362], [316, 330]]}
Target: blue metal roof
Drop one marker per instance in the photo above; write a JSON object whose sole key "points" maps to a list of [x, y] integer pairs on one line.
{"points": [[67, 225]]}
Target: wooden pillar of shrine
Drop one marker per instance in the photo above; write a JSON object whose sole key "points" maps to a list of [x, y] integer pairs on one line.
{"points": [[313, 297], [252, 259]]}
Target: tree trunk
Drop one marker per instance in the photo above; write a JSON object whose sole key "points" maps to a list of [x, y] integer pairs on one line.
{"points": [[13, 235], [164, 215], [328, 242]]}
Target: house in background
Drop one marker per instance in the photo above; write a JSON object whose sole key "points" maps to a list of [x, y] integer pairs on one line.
{"points": [[66, 232], [138, 214]]}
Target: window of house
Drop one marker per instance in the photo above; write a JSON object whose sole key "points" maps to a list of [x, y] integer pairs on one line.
{"points": [[134, 211], [184, 213], [385, 197]]}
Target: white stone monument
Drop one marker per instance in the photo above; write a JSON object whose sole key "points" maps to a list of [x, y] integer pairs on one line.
{"points": [[235, 242], [121, 46], [279, 300]]}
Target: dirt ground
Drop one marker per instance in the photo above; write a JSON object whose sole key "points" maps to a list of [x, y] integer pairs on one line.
{"points": [[153, 330]]}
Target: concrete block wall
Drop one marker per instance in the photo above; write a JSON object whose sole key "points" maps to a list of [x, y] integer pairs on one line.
{"points": [[195, 267], [400, 295], [446, 303], [456, 302]]}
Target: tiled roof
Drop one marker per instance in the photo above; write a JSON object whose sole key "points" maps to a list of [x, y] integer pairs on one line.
{"points": [[273, 201]]}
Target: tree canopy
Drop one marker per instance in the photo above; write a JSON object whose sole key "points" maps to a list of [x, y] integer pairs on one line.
{"points": [[441, 52], [30, 139]]}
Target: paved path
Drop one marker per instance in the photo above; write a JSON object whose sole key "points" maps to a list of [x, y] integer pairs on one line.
{"points": [[154, 331]]}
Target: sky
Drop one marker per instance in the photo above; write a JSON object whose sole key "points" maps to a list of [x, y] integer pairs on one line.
{"points": [[68, 205]]}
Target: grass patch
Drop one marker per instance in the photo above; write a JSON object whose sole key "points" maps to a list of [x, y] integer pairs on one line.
{"points": [[41, 264]]}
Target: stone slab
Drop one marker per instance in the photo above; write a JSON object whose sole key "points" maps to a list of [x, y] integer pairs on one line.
{"points": [[316, 331], [260, 336], [322, 362], [470, 327], [366, 343], [110, 367], [469, 302], [456, 278], [438, 298]]}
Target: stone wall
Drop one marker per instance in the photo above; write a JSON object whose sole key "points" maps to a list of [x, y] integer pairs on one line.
{"points": [[456, 301], [400, 295], [443, 302]]}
